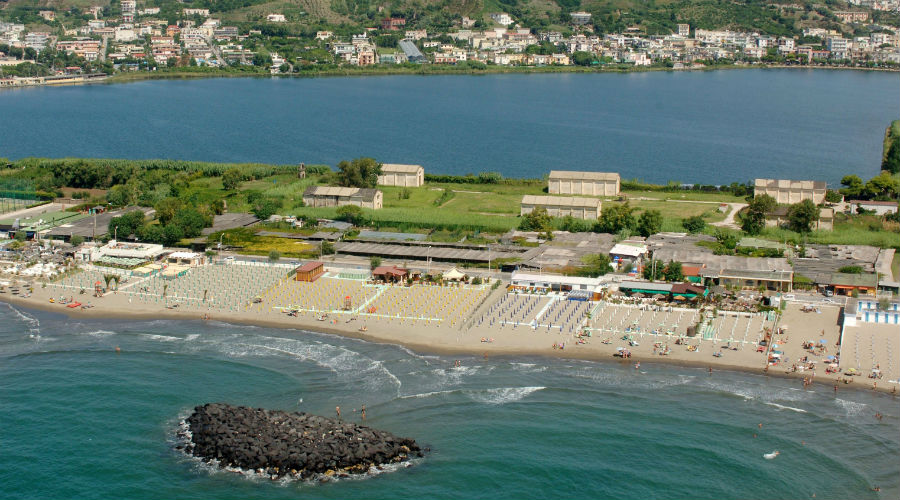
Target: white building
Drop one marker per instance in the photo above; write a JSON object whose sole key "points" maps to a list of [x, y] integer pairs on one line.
{"points": [[276, 18], [583, 183], [789, 192], [562, 206], [684, 30], [502, 18], [393, 174], [580, 18]]}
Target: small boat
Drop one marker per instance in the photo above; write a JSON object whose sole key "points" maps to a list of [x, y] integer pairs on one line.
{"points": [[770, 456]]}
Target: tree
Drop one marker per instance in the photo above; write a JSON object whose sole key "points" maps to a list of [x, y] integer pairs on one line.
{"points": [[274, 256], [650, 222], [166, 208], [754, 220], [595, 265], [582, 58], [673, 271], [726, 239], [883, 186], [891, 162], [265, 207], [231, 178], [653, 270], [361, 173], [76, 240], [327, 247], [374, 261], [853, 186], [801, 216], [352, 214], [694, 224], [832, 196], [191, 222], [127, 224], [537, 220], [615, 218], [171, 234]]}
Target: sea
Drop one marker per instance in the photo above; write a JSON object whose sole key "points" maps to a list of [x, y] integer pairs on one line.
{"points": [[709, 127], [81, 421]]}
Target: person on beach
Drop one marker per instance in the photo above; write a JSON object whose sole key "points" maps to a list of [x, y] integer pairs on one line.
{"points": [[710, 370], [337, 409], [362, 412]]}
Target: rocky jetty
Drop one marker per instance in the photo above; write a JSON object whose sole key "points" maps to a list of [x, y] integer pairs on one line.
{"points": [[279, 443]]}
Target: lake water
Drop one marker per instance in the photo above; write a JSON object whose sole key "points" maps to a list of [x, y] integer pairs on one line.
{"points": [[698, 127], [80, 421]]}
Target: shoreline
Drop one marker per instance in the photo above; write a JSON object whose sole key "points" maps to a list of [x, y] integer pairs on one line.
{"points": [[379, 335], [428, 71]]}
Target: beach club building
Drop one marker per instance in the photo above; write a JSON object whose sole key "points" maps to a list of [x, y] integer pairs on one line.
{"points": [[871, 311], [847, 284], [788, 192], [650, 288], [583, 183], [331, 196], [561, 206], [311, 271], [555, 283], [393, 174]]}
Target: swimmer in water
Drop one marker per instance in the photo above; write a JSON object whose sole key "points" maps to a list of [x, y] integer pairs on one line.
{"points": [[118, 350]]}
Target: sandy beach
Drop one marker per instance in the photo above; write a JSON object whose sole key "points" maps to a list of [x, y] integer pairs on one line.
{"points": [[478, 320]]}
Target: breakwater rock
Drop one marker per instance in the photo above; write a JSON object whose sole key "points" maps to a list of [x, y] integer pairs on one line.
{"points": [[279, 443]]}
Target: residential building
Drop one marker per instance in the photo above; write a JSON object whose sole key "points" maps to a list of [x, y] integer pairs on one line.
{"points": [[324, 35], [852, 16], [393, 23], [393, 174], [561, 206], [790, 191], [502, 18], [327, 196], [580, 18], [196, 12], [276, 18], [128, 6], [684, 30], [48, 15], [583, 183], [879, 207], [416, 35]]}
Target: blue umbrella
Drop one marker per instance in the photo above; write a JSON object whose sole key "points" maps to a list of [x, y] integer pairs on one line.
{"points": [[823, 341]]}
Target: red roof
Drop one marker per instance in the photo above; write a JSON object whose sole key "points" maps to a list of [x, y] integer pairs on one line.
{"points": [[386, 270], [309, 266]]}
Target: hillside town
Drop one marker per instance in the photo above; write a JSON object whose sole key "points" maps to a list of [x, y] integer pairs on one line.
{"points": [[138, 39]]}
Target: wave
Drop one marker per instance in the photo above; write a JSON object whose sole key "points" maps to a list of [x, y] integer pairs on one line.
{"points": [[528, 367], [782, 407], [851, 408], [99, 333], [494, 396], [503, 395], [34, 327], [162, 338]]}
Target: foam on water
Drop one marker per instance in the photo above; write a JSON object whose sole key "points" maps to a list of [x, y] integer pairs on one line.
{"points": [[850, 408], [782, 407], [99, 333], [501, 395]]}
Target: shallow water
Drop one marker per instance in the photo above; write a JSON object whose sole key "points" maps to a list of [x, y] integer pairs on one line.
{"points": [[80, 421]]}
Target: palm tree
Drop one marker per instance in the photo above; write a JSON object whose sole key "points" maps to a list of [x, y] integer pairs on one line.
{"points": [[108, 278]]}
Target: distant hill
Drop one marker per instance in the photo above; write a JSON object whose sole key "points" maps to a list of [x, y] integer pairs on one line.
{"points": [[776, 17]]}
